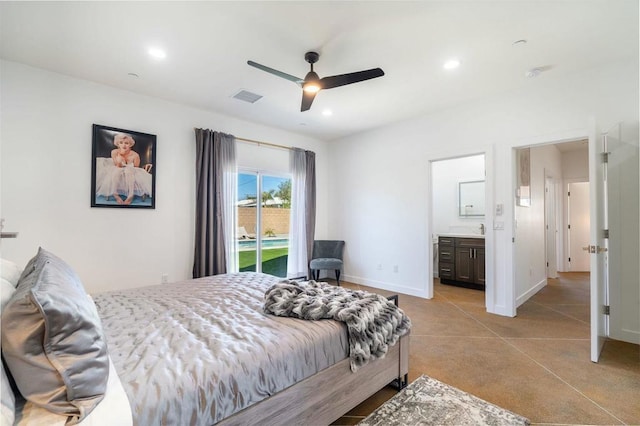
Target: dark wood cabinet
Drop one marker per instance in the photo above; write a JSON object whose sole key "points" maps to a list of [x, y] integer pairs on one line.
{"points": [[446, 253], [461, 261]]}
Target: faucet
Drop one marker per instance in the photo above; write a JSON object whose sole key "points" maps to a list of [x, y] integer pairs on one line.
{"points": [[482, 229]]}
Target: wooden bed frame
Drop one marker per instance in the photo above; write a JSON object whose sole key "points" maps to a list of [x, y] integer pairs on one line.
{"points": [[329, 394]]}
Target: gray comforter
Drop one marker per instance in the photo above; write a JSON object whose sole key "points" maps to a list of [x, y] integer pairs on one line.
{"points": [[197, 351]]}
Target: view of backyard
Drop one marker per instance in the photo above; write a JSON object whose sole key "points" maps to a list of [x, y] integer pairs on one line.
{"points": [[271, 235], [274, 261]]}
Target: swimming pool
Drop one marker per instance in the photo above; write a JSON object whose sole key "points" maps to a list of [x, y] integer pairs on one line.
{"points": [[266, 243]]}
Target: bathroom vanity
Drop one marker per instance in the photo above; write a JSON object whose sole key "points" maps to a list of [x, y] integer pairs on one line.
{"points": [[461, 260]]}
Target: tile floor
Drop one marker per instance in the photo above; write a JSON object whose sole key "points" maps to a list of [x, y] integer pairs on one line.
{"points": [[536, 364]]}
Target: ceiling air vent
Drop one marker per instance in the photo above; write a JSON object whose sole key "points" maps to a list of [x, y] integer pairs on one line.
{"points": [[247, 96]]}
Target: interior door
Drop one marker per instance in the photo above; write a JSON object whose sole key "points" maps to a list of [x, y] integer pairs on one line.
{"points": [[550, 227], [623, 213], [579, 226], [597, 248]]}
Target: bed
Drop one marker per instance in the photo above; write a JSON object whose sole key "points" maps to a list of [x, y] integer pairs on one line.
{"points": [[203, 352]]}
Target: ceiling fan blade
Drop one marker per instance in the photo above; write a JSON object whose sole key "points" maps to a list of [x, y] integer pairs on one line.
{"points": [[281, 74], [307, 100], [353, 77]]}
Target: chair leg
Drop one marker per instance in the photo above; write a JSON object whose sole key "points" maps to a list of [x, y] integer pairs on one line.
{"points": [[338, 276]]}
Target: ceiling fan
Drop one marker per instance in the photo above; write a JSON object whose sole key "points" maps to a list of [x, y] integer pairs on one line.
{"points": [[312, 84]]}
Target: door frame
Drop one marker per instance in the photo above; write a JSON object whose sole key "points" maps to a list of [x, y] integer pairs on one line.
{"points": [[449, 154], [510, 204], [594, 136]]}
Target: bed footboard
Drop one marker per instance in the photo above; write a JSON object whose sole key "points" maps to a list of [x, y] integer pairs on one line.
{"points": [[329, 394]]}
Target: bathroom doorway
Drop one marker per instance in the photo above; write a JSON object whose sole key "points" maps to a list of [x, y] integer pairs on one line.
{"points": [[458, 210]]}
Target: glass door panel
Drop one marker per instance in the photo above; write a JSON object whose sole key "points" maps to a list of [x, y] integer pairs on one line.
{"points": [[263, 223], [247, 222], [274, 214]]}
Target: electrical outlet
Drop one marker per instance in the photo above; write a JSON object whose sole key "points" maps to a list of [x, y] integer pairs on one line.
{"points": [[379, 266], [395, 268], [165, 278]]}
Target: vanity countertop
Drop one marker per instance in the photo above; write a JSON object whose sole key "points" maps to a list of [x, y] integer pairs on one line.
{"points": [[459, 235]]}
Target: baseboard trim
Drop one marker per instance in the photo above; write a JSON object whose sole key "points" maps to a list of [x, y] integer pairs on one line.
{"points": [[531, 292], [387, 286]]}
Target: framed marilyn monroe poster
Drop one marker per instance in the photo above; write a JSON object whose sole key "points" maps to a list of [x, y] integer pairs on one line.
{"points": [[123, 173]]}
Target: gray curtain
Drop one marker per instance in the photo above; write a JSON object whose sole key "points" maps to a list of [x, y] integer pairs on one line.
{"points": [[310, 203], [215, 152]]}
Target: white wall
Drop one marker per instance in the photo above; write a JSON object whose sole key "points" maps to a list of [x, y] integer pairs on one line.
{"points": [[575, 165], [446, 175], [379, 178], [531, 274], [46, 176]]}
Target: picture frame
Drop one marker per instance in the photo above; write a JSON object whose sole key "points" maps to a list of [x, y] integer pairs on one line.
{"points": [[523, 190], [123, 168]]}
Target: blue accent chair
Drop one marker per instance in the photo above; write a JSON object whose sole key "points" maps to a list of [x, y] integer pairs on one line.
{"points": [[327, 254]]}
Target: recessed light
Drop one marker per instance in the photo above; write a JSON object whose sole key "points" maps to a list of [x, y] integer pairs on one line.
{"points": [[451, 64], [157, 53], [327, 112]]}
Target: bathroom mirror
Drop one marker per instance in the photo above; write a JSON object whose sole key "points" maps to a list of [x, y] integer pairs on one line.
{"points": [[471, 198]]}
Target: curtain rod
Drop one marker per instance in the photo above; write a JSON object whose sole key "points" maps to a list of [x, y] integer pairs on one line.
{"points": [[275, 145]]}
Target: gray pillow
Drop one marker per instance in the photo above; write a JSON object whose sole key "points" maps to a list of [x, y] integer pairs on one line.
{"points": [[52, 340]]}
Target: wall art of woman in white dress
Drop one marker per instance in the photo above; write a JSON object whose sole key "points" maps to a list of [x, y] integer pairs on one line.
{"points": [[120, 179]]}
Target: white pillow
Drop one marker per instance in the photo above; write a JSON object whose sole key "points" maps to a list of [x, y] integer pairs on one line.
{"points": [[10, 271], [8, 405], [6, 291]]}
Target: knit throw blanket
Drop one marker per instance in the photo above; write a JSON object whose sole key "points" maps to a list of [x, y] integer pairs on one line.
{"points": [[373, 322]]}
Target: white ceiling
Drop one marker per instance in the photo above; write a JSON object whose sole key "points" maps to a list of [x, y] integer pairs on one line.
{"points": [[208, 45]]}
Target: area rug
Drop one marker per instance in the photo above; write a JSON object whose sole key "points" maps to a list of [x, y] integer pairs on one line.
{"points": [[427, 401]]}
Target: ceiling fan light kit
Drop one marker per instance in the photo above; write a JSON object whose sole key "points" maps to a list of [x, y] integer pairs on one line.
{"points": [[312, 83]]}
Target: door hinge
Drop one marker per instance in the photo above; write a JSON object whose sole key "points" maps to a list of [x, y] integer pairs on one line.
{"points": [[569, 259], [605, 233], [605, 157], [569, 194], [569, 226], [606, 310], [547, 264]]}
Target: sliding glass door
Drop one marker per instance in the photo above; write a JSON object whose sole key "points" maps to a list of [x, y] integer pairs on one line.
{"points": [[263, 211]]}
